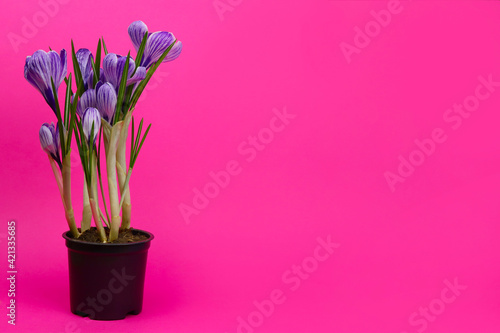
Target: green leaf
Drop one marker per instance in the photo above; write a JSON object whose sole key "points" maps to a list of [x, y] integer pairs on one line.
{"points": [[66, 81], [132, 143], [97, 71], [149, 74], [83, 150], [71, 129], [78, 73], [95, 79], [79, 146], [104, 46], [59, 119], [67, 101], [139, 130], [91, 147], [99, 174], [136, 147], [73, 119], [140, 52], [126, 101], [72, 122], [142, 142], [121, 90]]}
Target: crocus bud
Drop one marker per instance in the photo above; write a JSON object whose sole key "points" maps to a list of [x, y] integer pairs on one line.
{"points": [[106, 101], [49, 139], [112, 69], [85, 58], [136, 31], [87, 100], [91, 117]]}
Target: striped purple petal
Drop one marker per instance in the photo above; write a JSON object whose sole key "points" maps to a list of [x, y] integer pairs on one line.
{"points": [[136, 31], [91, 118], [157, 44], [58, 66], [120, 66], [174, 52], [49, 140], [113, 66], [46, 135], [139, 75], [102, 77], [98, 85], [109, 68], [37, 72], [87, 100], [85, 58], [41, 67], [106, 101]]}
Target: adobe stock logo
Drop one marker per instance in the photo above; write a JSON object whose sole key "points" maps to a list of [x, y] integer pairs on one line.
{"points": [[155, 82], [291, 278], [373, 28], [454, 117], [428, 314], [249, 149], [116, 285], [223, 6], [30, 26]]}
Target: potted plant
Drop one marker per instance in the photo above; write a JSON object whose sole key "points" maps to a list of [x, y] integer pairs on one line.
{"points": [[107, 261]]}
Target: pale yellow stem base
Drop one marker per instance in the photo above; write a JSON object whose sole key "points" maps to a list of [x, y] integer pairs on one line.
{"points": [[121, 168], [97, 219], [113, 135], [66, 184], [87, 211]]}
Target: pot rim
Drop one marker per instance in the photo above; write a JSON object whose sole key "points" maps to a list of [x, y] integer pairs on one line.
{"points": [[76, 241]]}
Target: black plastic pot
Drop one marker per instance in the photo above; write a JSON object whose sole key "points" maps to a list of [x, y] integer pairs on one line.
{"points": [[106, 281]]}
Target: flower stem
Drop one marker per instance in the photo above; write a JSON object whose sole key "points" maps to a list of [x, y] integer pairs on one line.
{"points": [[92, 190], [112, 181], [121, 167], [97, 220], [103, 217], [57, 175], [124, 191], [87, 211], [66, 184]]}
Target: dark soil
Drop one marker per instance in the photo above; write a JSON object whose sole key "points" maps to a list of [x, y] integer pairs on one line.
{"points": [[124, 236]]}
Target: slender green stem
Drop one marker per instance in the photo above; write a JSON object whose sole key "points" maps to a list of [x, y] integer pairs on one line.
{"points": [[66, 181], [103, 217], [92, 190], [100, 177]]}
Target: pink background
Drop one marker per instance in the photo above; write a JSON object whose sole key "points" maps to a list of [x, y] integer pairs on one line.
{"points": [[322, 175]]}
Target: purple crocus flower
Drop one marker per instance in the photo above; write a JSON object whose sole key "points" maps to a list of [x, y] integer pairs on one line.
{"points": [[87, 100], [156, 44], [91, 117], [49, 139], [85, 58], [112, 70], [106, 101], [41, 67], [103, 97]]}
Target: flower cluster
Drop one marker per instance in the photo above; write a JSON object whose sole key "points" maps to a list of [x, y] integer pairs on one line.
{"points": [[101, 107]]}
